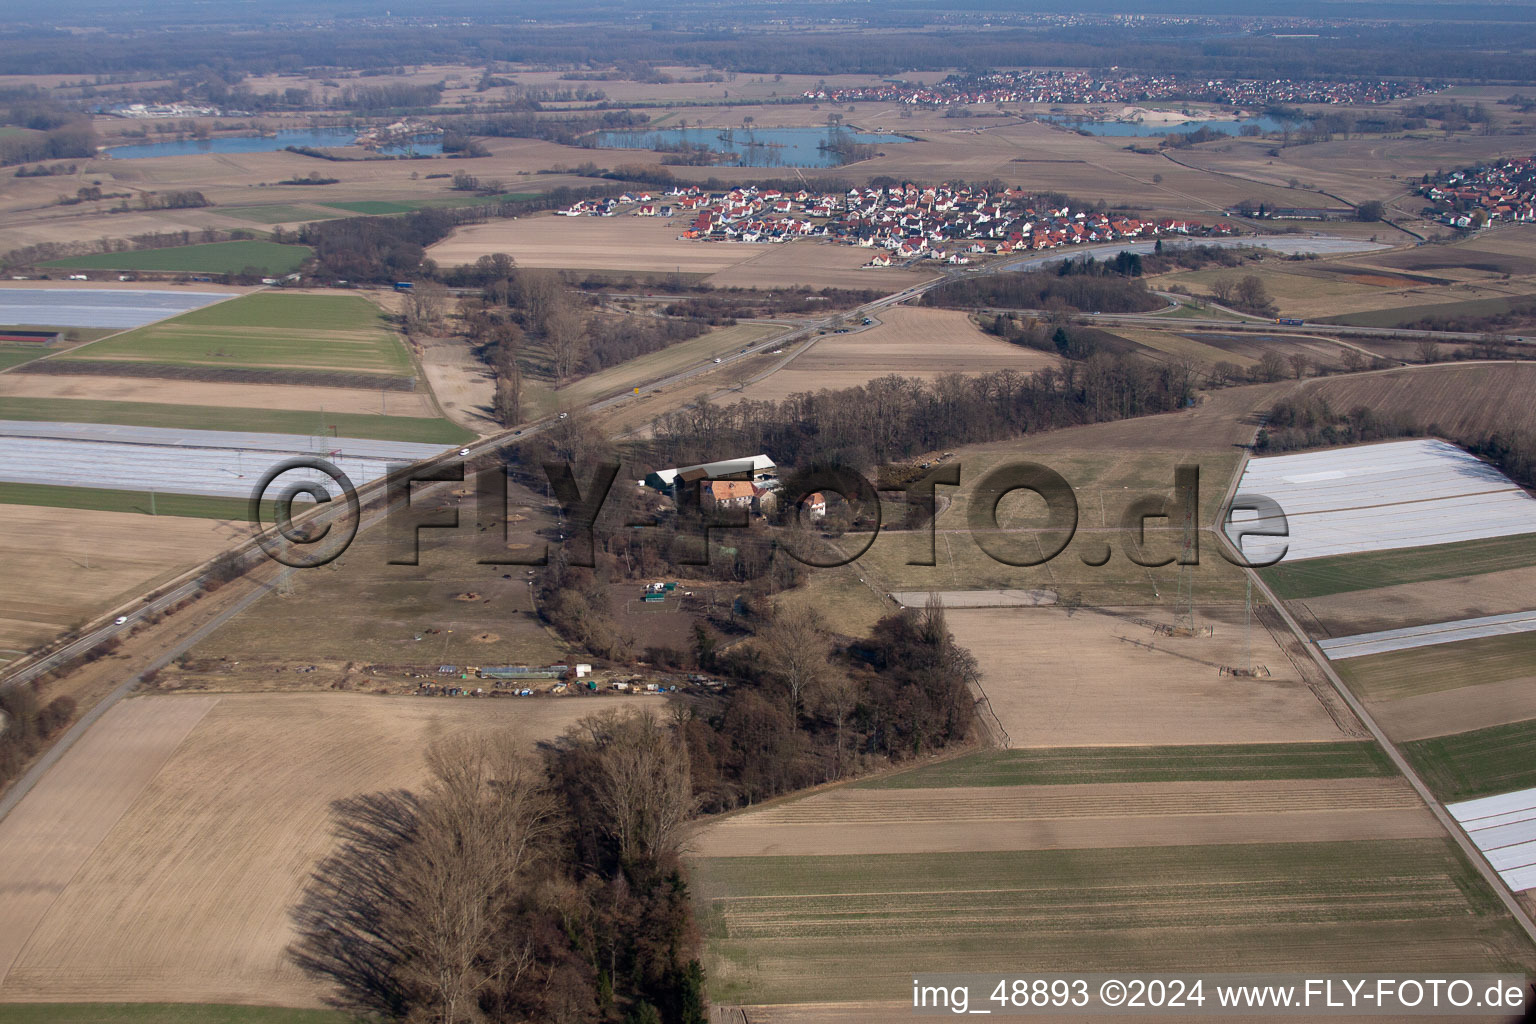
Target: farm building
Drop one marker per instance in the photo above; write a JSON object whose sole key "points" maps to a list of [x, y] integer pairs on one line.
{"points": [[30, 337], [760, 466]]}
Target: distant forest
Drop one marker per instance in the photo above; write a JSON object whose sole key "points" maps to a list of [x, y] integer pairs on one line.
{"points": [[1476, 51]]}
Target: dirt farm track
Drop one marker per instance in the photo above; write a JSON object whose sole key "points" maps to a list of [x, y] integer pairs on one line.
{"points": [[159, 860]]}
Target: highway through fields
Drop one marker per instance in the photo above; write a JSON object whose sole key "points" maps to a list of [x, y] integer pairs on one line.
{"points": [[809, 330]]}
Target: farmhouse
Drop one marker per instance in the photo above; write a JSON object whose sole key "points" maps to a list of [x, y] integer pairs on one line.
{"points": [[761, 468], [729, 494]]}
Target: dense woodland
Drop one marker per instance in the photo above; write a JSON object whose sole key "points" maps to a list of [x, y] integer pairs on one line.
{"points": [[74, 138], [1088, 291], [799, 706], [1312, 422], [512, 889], [1491, 49]]}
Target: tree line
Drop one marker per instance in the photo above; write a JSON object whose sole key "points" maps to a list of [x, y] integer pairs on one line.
{"points": [[514, 888], [893, 417], [26, 724], [1488, 49], [1086, 288], [75, 138], [1311, 421]]}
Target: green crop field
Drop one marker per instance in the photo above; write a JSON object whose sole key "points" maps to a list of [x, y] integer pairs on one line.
{"points": [[102, 499], [289, 311], [214, 258], [211, 417], [1399, 674], [1056, 766], [267, 329], [374, 207], [15, 355], [162, 1013], [278, 214], [1483, 762], [801, 929], [1316, 577]]}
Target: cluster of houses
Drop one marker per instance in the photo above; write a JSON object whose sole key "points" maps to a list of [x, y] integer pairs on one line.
{"points": [[754, 485], [149, 111], [397, 134], [1503, 192], [1037, 86], [952, 224]]}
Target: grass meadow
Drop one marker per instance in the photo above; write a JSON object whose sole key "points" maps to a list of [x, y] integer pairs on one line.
{"points": [[212, 258]]}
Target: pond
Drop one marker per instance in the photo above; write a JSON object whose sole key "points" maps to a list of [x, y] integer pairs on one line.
{"points": [[322, 138], [1142, 130], [753, 147]]}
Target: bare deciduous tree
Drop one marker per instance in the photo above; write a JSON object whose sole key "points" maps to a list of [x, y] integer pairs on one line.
{"points": [[1271, 366], [508, 341], [424, 306], [836, 694], [796, 651], [487, 817], [641, 784], [1251, 293], [565, 335], [412, 915]]}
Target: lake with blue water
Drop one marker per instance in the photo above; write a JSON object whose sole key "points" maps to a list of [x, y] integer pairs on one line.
{"points": [[750, 147], [1127, 129]]}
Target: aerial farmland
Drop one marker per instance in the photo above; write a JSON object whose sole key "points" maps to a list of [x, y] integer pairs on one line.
{"points": [[857, 496]]}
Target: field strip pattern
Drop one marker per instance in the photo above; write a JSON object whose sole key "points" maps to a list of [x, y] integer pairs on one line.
{"points": [[71, 307], [207, 462], [1504, 828], [1078, 766], [60, 823], [1016, 802], [975, 598], [865, 821], [1402, 494], [829, 927], [1383, 641]]}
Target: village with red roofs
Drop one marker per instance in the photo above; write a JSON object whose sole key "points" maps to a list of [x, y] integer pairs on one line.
{"points": [[949, 223]]}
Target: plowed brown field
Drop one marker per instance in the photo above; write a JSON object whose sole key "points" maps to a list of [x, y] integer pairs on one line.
{"points": [[186, 863]]}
